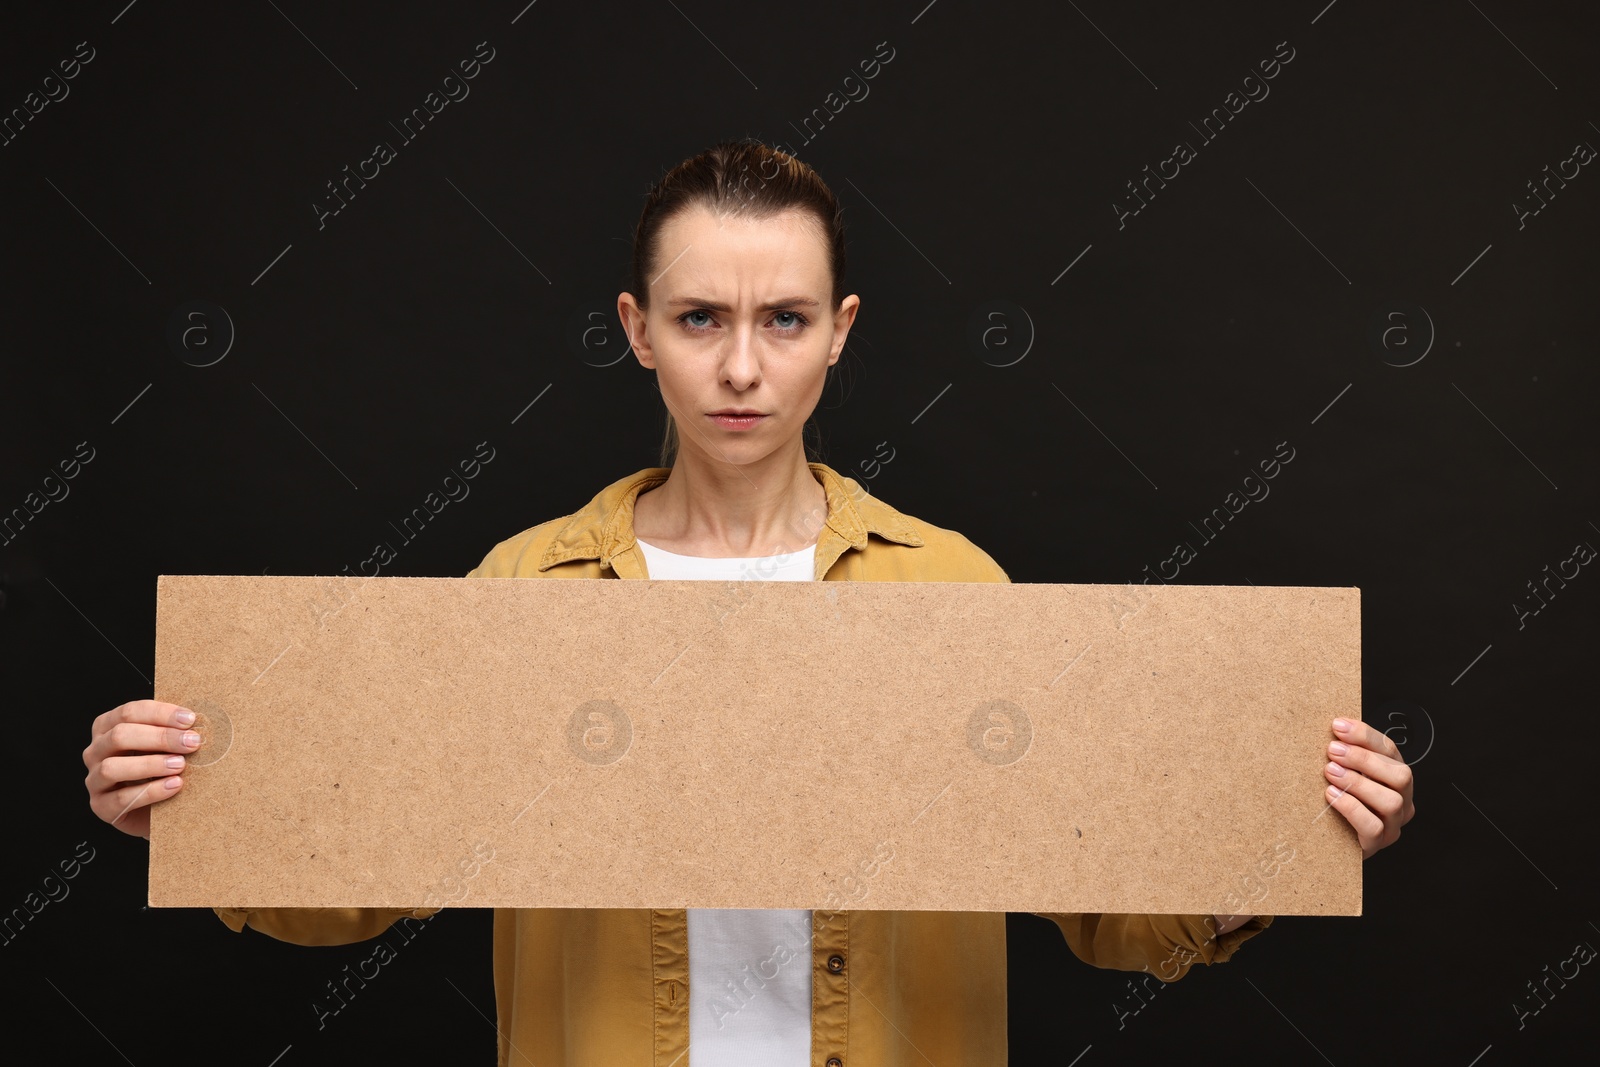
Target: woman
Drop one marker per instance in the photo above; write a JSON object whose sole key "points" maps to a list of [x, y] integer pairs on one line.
{"points": [[739, 306]]}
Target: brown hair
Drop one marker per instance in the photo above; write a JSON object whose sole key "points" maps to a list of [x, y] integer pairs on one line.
{"points": [[736, 178]]}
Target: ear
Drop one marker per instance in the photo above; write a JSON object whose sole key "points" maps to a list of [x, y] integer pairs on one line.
{"points": [[842, 321], [633, 322]]}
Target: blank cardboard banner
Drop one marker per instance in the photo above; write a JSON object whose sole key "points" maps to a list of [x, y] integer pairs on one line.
{"points": [[945, 746]]}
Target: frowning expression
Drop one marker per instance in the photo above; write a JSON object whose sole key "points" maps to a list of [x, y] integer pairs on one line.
{"points": [[740, 328]]}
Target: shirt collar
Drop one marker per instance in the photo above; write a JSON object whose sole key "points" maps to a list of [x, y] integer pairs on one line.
{"points": [[603, 528]]}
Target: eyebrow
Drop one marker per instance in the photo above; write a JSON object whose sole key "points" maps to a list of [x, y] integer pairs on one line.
{"points": [[774, 305]]}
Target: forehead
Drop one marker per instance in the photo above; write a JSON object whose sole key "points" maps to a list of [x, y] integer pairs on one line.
{"points": [[710, 254]]}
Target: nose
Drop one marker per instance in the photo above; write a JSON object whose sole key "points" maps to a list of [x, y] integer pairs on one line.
{"points": [[741, 362]]}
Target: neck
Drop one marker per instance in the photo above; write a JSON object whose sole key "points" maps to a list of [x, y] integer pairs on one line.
{"points": [[709, 507]]}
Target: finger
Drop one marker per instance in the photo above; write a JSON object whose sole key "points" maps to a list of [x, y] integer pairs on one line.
{"points": [[137, 712], [1393, 809], [115, 771], [132, 737], [112, 806], [1368, 827], [1356, 732], [1390, 808], [153, 712], [1379, 798], [1392, 772]]}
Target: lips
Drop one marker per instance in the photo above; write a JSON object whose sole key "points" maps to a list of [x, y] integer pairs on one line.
{"points": [[732, 420]]}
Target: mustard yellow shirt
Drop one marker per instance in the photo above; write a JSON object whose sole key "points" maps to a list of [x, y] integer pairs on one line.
{"points": [[608, 987]]}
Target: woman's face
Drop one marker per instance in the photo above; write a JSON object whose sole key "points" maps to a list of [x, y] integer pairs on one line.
{"points": [[739, 320]]}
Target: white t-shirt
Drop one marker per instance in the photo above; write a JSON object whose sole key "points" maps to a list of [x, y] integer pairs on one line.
{"points": [[749, 968]]}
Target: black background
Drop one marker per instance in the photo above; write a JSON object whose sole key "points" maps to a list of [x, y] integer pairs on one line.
{"points": [[1232, 313]]}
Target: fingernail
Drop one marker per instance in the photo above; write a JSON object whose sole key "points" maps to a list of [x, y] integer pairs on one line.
{"points": [[173, 783], [184, 717], [191, 739], [1335, 769], [175, 762], [1341, 725], [1335, 792], [1338, 749]]}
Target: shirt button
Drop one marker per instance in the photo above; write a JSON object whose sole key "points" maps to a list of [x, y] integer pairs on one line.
{"points": [[835, 964], [834, 1061]]}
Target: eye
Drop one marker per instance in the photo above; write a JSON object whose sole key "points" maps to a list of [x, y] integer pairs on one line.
{"points": [[687, 318], [795, 321]]}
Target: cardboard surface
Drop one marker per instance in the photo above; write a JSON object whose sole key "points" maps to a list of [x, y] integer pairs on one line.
{"points": [[479, 742]]}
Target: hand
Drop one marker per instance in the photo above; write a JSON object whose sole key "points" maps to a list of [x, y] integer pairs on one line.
{"points": [[1375, 784], [136, 758]]}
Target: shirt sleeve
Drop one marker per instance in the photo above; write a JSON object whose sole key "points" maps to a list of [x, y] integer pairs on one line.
{"points": [[319, 926], [1165, 945]]}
